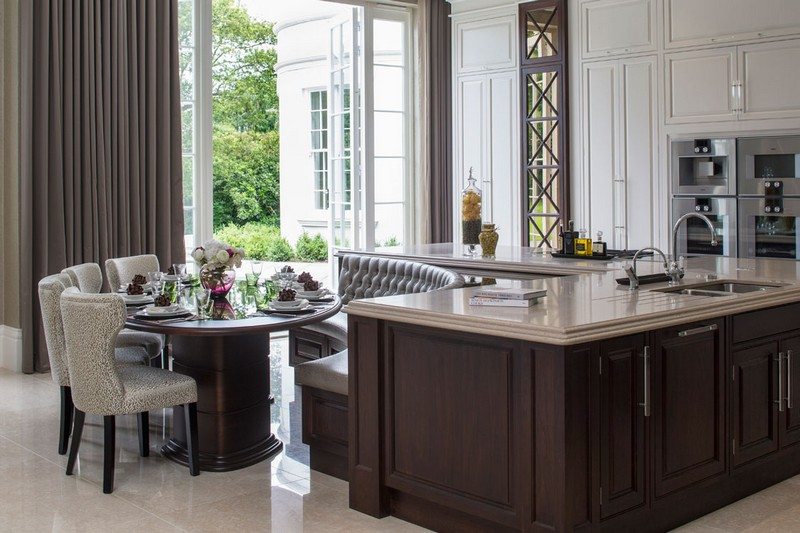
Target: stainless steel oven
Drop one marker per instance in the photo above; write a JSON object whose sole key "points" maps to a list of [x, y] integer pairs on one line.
{"points": [[694, 237], [704, 167], [769, 229], [769, 164]]}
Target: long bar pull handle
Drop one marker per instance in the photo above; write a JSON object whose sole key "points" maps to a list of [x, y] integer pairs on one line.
{"points": [[646, 373], [779, 401], [697, 331], [788, 379]]}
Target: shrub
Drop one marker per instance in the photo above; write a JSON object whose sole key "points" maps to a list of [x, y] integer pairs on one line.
{"points": [[260, 241], [312, 248]]}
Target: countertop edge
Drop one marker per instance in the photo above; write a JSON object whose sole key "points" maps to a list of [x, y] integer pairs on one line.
{"points": [[564, 336]]}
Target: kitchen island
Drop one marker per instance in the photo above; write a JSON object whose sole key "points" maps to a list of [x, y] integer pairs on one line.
{"points": [[599, 408]]}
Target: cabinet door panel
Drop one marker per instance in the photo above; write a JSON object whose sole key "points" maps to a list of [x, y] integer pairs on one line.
{"points": [[755, 415], [486, 44], [770, 74], [688, 406], [600, 168], [790, 421], [618, 27], [503, 177], [699, 85], [693, 22], [622, 421], [639, 153]]}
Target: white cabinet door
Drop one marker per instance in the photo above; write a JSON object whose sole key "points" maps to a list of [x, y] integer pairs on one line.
{"points": [[601, 173], [770, 77], [699, 85], [638, 149], [699, 22], [613, 27], [488, 44], [502, 183], [472, 123]]}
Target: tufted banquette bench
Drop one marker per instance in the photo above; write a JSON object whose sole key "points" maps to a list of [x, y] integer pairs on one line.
{"points": [[365, 277], [323, 375]]}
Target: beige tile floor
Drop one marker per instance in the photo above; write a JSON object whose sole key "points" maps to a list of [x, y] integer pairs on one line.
{"points": [[282, 495]]}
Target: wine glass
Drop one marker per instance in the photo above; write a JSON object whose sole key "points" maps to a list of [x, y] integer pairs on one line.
{"points": [[180, 270], [154, 278], [203, 301]]}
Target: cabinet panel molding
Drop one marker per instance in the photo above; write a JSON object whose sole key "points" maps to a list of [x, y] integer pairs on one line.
{"points": [[770, 75], [699, 85], [614, 27], [486, 44], [693, 22]]}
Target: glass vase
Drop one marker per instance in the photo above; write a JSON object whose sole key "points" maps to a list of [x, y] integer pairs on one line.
{"points": [[471, 198], [218, 280]]}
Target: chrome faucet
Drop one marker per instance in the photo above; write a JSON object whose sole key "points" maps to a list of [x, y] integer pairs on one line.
{"points": [[631, 270], [675, 271]]}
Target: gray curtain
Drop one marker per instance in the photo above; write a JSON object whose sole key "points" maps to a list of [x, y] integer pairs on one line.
{"points": [[101, 140], [440, 147]]}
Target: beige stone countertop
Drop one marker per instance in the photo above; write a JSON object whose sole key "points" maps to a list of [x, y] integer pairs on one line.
{"points": [[507, 259], [592, 306]]}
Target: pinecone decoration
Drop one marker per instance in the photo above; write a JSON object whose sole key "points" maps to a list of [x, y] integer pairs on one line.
{"points": [[162, 300], [134, 289], [304, 277], [311, 285], [286, 295], [287, 270], [138, 279]]}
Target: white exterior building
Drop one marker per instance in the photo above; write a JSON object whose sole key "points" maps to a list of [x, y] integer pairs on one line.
{"points": [[303, 34]]}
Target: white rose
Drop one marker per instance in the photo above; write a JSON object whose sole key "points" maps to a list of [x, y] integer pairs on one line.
{"points": [[198, 254], [222, 256]]}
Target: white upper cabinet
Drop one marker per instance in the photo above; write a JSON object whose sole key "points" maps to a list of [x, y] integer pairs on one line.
{"points": [[487, 44], [616, 27], [769, 74], [702, 22], [700, 85]]}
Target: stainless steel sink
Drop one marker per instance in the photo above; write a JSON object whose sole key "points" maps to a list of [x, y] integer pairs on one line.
{"points": [[719, 288]]}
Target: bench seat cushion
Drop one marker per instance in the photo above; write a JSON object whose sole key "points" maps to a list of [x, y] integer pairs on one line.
{"points": [[328, 373], [334, 327]]}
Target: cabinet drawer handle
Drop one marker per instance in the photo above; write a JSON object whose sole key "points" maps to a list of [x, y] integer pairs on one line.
{"points": [[697, 331], [646, 373], [788, 379], [779, 401]]}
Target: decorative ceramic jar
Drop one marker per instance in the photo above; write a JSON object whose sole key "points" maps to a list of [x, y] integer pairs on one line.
{"points": [[218, 280], [470, 214], [488, 238]]}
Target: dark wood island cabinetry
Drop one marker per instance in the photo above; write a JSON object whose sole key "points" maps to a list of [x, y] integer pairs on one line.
{"points": [[458, 431]]}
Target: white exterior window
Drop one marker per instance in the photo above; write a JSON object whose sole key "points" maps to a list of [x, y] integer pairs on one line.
{"points": [[319, 147]]}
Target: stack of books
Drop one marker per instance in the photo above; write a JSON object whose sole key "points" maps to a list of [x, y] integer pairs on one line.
{"points": [[507, 297]]}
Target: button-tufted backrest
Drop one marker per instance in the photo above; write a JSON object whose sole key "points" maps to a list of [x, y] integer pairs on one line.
{"points": [[91, 325], [121, 270], [50, 289], [371, 277], [87, 277]]}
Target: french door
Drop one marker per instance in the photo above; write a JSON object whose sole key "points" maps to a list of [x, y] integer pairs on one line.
{"points": [[370, 129]]}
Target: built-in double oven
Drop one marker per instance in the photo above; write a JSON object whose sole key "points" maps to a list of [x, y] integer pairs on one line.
{"points": [[704, 181], [748, 187], [769, 197]]}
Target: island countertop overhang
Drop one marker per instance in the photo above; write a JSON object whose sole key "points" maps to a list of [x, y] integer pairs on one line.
{"points": [[592, 306]]}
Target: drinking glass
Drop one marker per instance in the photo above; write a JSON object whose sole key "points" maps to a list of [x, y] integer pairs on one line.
{"points": [[251, 279], [180, 270], [203, 301], [155, 281], [256, 268]]}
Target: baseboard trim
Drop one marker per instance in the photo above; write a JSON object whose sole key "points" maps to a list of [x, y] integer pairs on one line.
{"points": [[11, 348]]}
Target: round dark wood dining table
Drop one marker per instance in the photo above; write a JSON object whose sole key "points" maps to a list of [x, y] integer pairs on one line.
{"points": [[229, 359]]}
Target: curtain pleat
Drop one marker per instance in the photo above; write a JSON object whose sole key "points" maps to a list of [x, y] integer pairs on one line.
{"points": [[440, 144], [101, 172]]}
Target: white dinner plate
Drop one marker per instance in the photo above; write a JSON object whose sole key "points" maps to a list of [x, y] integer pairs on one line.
{"points": [[137, 298], [312, 295], [145, 287], [168, 311], [296, 305]]}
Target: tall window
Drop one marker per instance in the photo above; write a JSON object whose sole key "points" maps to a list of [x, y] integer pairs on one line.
{"points": [[545, 120], [187, 65], [319, 147]]}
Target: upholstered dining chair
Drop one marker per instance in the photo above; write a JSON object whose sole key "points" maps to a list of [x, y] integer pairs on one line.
{"points": [[88, 277], [50, 290], [120, 270], [100, 386]]}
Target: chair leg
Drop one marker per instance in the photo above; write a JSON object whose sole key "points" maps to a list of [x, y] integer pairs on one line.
{"points": [[65, 421], [165, 354], [77, 431], [144, 433], [190, 416], [108, 454]]}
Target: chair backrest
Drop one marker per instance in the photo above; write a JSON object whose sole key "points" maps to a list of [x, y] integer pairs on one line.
{"points": [[50, 289], [87, 277], [121, 270], [91, 324], [371, 277]]}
